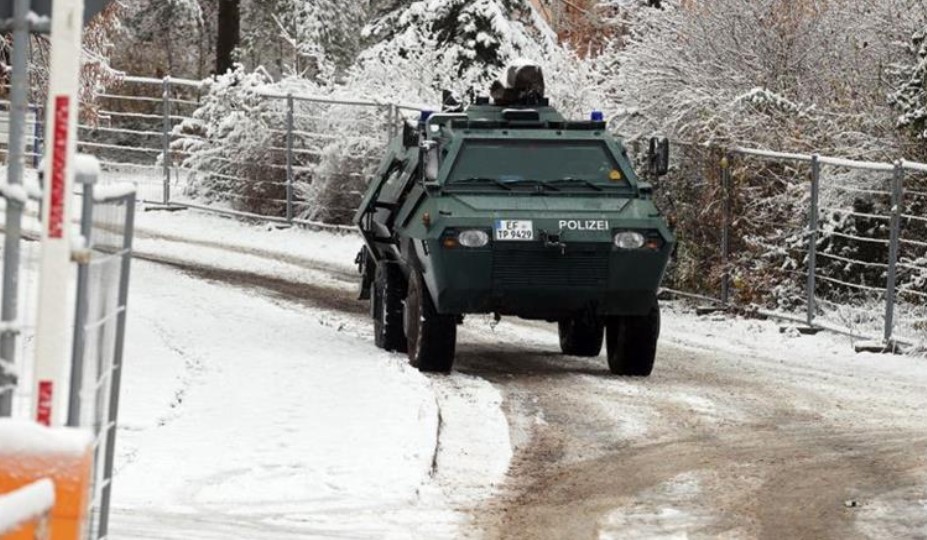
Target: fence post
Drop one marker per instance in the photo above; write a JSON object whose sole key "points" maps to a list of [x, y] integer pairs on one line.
{"points": [[289, 157], [166, 137], [891, 282], [19, 101], [813, 238], [80, 314], [116, 383], [726, 230]]}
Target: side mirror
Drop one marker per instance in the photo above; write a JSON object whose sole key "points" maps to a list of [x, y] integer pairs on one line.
{"points": [[429, 158], [658, 158]]}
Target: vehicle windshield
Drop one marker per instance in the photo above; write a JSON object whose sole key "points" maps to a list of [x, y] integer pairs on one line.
{"points": [[564, 164]]}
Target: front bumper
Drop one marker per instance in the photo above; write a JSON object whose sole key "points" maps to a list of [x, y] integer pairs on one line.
{"points": [[532, 280]]}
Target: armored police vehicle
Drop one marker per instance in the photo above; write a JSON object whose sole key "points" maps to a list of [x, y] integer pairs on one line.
{"points": [[507, 208]]}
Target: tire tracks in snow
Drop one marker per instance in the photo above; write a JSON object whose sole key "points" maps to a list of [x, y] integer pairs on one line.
{"points": [[770, 454], [770, 463], [334, 270], [458, 445]]}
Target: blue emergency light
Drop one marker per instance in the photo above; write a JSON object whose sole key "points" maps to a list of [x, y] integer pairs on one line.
{"points": [[597, 116]]}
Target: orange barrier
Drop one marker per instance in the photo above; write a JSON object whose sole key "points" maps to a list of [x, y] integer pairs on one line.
{"points": [[28, 453]]}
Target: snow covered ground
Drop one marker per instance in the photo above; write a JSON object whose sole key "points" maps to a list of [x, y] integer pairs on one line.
{"points": [[256, 406], [242, 414], [290, 457]]}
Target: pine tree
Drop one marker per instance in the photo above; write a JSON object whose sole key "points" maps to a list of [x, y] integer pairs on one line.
{"points": [[325, 34], [482, 34], [166, 22], [424, 46]]}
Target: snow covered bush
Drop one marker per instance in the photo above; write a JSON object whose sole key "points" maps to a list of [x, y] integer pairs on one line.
{"points": [[235, 148], [790, 75], [416, 50], [228, 145], [339, 179]]}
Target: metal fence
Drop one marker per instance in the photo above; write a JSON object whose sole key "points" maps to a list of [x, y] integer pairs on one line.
{"points": [[107, 227], [852, 260], [20, 254], [278, 160], [284, 158], [823, 242]]}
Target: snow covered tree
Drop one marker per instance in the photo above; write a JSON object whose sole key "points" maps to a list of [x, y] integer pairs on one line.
{"points": [[911, 99], [791, 75], [472, 38], [726, 70], [170, 24], [324, 34], [427, 46], [96, 72]]}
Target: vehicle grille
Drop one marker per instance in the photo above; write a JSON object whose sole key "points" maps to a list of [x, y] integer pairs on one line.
{"points": [[550, 268]]}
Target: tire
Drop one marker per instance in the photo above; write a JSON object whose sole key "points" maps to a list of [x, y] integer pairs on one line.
{"points": [[581, 336], [632, 343], [431, 337], [386, 307]]}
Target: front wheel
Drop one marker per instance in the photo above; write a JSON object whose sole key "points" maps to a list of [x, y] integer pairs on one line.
{"points": [[431, 337], [632, 343]]}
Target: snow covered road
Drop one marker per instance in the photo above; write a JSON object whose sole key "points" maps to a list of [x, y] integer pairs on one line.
{"points": [[257, 407], [245, 417]]}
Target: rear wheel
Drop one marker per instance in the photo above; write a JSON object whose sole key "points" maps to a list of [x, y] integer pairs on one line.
{"points": [[632, 343], [386, 307], [431, 337], [581, 336]]}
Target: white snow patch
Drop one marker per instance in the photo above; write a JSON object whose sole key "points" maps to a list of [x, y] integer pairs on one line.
{"points": [[242, 412], [200, 227], [109, 192], [26, 504], [87, 166], [27, 437], [475, 449], [14, 192], [659, 513], [894, 514]]}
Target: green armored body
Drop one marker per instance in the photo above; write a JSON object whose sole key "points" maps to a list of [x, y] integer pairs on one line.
{"points": [[507, 208]]}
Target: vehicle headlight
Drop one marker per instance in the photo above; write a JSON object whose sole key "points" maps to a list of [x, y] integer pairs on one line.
{"points": [[473, 238], [629, 240]]}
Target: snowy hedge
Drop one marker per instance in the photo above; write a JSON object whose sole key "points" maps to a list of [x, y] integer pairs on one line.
{"points": [[235, 148]]}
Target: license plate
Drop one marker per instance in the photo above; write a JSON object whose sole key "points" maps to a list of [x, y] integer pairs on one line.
{"points": [[514, 230]]}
